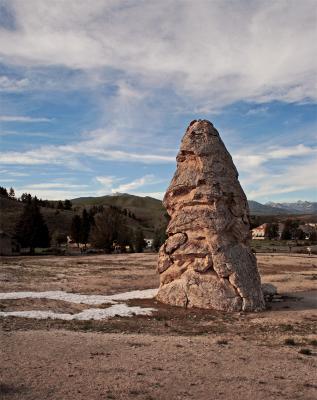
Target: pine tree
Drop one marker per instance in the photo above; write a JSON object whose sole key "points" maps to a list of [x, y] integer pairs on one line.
{"points": [[12, 193], [3, 192], [60, 205], [272, 231], [75, 229], [85, 227], [139, 242], [26, 198], [159, 238], [67, 205], [31, 230]]}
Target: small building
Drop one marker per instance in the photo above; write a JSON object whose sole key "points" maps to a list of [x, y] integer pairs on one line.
{"points": [[260, 232], [149, 243], [8, 245]]}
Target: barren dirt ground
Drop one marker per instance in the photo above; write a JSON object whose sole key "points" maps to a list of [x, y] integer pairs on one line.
{"points": [[172, 354]]}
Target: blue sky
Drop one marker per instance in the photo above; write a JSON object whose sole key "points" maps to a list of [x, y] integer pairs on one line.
{"points": [[95, 96]]}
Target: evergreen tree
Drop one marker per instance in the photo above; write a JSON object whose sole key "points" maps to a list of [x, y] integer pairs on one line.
{"points": [[272, 231], [75, 229], [85, 227], [26, 198], [290, 231], [286, 234], [139, 242], [67, 205], [159, 238], [3, 192], [299, 234], [31, 230], [12, 193], [125, 237], [60, 205]]}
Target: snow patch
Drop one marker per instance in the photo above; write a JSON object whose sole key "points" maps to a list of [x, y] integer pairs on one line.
{"points": [[120, 310], [90, 299], [116, 309]]}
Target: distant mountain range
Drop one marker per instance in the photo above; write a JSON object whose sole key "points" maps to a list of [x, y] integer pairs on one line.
{"points": [[264, 209], [153, 209], [299, 207]]}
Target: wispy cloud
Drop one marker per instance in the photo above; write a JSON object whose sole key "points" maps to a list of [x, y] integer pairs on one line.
{"points": [[291, 179], [28, 134], [13, 173], [106, 181], [13, 85], [140, 40], [53, 185], [142, 69], [260, 110], [262, 178], [135, 184], [21, 118], [285, 152], [97, 147], [54, 194]]}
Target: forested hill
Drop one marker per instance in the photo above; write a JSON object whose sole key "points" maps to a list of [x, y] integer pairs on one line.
{"points": [[146, 213]]}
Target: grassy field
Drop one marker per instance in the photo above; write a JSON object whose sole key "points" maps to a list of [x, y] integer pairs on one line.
{"points": [[282, 246]]}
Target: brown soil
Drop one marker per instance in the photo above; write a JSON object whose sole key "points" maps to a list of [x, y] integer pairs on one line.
{"points": [[173, 354]]}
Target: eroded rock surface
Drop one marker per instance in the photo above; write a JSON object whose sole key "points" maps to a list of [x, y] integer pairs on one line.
{"points": [[206, 261]]}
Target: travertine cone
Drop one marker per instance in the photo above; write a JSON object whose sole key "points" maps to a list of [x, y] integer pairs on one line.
{"points": [[206, 261]]}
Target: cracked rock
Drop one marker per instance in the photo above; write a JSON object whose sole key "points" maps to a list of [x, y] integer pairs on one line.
{"points": [[206, 261]]}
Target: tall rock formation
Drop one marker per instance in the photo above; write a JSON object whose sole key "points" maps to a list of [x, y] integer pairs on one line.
{"points": [[206, 261]]}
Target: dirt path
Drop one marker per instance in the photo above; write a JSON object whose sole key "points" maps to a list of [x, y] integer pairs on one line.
{"points": [[69, 365]]}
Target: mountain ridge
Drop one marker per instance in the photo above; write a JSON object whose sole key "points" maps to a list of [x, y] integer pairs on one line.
{"points": [[300, 206], [126, 199]]}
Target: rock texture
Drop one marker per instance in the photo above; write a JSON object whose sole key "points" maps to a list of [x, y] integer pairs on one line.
{"points": [[206, 261]]}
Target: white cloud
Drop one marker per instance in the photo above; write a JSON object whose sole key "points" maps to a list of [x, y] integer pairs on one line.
{"points": [[135, 184], [265, 180], [20, 118], [70, 155], [285, 152], [106, 181], [264, 52], [12, 85], [39, 156], [13, 173], [257, 111], [54, 194], [63, 190], [53, 185], [202, 55]]}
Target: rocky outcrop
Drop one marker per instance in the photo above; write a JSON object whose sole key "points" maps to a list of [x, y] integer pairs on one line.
{"points": [[206, 261]]}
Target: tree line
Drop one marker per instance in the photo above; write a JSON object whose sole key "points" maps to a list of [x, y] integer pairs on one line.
{"points": [[291, 231], [26, 198], [104, 228]]}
